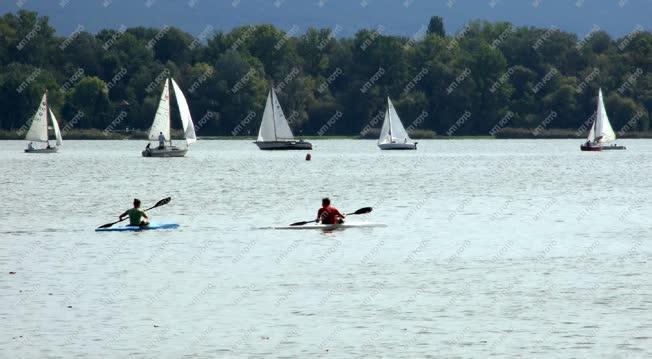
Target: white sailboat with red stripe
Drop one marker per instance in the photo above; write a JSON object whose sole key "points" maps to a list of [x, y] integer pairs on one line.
{"points": [[38, 130]]}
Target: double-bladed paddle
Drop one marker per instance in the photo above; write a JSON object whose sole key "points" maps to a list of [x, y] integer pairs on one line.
{"points": [[160, 203], [360, 211]]}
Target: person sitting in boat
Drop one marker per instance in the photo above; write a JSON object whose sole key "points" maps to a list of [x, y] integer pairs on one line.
{"points": [[161, 141], [328, 214], [30, 146], [137, 217], [48, 146]]}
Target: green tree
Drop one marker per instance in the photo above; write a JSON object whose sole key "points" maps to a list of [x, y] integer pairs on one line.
{"points": [[436, 26], [22, 87], [622, 110], [91, 98], [173, 45]]}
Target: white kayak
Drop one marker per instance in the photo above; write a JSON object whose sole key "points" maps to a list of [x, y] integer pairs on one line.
{"points": [[330, 227]]}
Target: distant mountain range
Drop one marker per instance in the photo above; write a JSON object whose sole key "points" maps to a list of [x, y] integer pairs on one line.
{"points": [[403, 17]]}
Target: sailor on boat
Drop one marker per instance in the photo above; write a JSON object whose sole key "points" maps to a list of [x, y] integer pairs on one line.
{"points": [[328, 214], [30, 146], [161, 141], [137, 217]]}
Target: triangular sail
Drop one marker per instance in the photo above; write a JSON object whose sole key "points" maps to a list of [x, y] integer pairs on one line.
{"points": [[162, 118], [384, 131], [57, 132], [591, 136], [283, 131], [267, 132], [38, 130], [397, 130], [274, 126], [184, 113], [603, 131]]}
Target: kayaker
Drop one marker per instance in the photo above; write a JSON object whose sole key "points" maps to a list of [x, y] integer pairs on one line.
{"points": [[137, 217], [161, 141], [328, 214]]}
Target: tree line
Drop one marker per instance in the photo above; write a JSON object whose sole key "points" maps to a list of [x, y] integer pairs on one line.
{"points": [[478, 81]]}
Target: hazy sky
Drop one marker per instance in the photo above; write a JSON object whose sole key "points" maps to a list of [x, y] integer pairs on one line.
{"points": [[405, 17]]}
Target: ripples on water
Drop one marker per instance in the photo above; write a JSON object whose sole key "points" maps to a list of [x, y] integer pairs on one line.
{"points": [[504, 248]]}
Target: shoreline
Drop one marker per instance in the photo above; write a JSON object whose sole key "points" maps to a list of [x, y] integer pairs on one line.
{"points": [[504, 134]]}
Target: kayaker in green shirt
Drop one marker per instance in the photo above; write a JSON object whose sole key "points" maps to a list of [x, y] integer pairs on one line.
{"points": [[137, 217]]}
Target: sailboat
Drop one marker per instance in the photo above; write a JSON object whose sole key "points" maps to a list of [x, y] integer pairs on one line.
{"points": [[163, 122], [38, 130], [601, 132], [275, 133], [393, 135]]}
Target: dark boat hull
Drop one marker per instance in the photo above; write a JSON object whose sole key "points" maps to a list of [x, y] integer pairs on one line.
{"points": [[594, 148], [283, 145], [590, 148], [42, 150], [613, 147], [166, 152]]}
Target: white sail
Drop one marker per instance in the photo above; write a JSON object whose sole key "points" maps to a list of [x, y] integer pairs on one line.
{"points": [[184, 113], [274, 126], [384, 131], [266, 131], [398, 131], [162, 118], [603, 132], [57, 132], [392, 130], [591, 136], [38, 130], [283, 131]]}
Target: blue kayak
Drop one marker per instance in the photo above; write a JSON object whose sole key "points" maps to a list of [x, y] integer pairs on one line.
{"points": [[151, 226]]}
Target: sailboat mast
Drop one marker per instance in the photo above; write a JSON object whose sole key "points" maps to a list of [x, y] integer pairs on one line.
{"points": [[274, 112], [47, 111], [167, 83], [389, 118]]}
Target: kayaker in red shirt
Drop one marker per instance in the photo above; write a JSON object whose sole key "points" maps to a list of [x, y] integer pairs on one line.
{"points": [[329, 215]]}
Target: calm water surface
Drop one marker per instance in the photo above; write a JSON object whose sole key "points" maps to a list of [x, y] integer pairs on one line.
{"points": [[493, 248]]}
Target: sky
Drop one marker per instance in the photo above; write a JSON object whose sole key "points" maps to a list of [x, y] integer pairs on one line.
{"points": [[397, 17]]}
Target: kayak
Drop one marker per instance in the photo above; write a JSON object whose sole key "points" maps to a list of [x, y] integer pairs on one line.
{"points": [[330, 227], [150, 227]]}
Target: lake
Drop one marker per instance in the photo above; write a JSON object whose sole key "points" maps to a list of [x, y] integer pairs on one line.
{"points": [[505, 248]]}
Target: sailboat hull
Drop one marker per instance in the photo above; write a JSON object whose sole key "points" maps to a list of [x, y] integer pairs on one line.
{"points": [[590, 148], [172, 151], [596, 148], [398, 146], [613, 147], [283, 145], [42, 150]]}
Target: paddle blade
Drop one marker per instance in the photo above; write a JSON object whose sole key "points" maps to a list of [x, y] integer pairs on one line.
{"points": [[363, 210], [162, 202], [301, 223], [107, 225]]}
